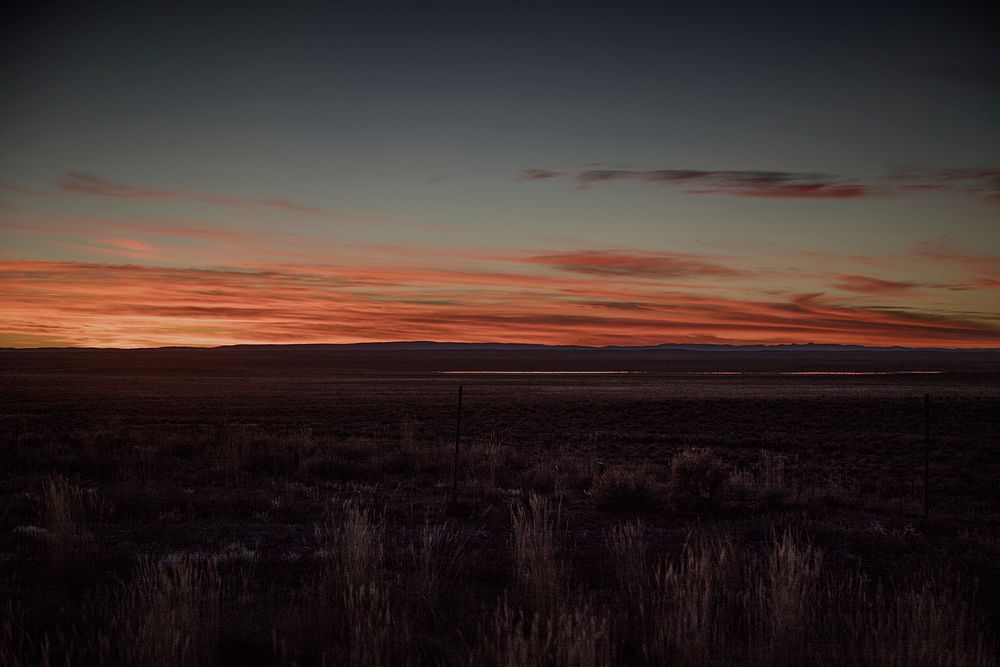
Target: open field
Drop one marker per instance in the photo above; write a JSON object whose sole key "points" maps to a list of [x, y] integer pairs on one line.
{"points": [[292, 506]]}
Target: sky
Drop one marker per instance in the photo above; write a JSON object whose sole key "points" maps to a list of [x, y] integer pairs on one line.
{"points": [[619, 173]]}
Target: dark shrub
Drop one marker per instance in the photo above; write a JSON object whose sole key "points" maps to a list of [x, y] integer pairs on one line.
{"points": [[697, 476], [626, 489]]}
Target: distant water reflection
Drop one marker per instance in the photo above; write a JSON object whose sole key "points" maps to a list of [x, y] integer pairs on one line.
{"points": [[541, 372], [811, 373], [689, 373]]}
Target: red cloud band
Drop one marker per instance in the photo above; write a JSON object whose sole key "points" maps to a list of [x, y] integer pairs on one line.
{"points": [[127, 305]]}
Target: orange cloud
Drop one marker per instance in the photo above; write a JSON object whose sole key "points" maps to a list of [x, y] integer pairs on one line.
{"points": [[128, 244], [135, 305]]}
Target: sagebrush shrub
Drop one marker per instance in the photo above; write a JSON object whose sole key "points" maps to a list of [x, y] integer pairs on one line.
{"points": [[697, 476], [626, 489]]}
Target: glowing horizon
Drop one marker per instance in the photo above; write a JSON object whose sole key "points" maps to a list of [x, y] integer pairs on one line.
{"points": [[576, 298]]}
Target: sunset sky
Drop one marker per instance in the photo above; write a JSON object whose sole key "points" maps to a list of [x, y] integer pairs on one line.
{"points": [[607, 175]]}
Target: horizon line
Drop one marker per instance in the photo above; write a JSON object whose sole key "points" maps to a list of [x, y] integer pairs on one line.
{"points": [[693, 347]]}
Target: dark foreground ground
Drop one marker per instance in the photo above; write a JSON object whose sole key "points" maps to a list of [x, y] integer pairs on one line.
{"points": [[292, 506]]}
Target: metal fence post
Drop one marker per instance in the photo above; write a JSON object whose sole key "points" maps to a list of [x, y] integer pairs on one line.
{"points": [[458, 438], [927, 454]]}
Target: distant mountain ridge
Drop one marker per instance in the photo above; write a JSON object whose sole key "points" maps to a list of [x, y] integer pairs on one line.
{"points": [[680, 347]]}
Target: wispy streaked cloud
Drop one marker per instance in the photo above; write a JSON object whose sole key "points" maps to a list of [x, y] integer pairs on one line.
{"points": [[22, 190], [539, 174], [984, 182], [870, 285], [90, 185], [760, 184], [131, 305], [944, 251], [297, 286], [648, 265]]}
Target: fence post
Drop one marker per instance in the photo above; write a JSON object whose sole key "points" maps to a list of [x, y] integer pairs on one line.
{"points": [[458, 438], [927, 455]]}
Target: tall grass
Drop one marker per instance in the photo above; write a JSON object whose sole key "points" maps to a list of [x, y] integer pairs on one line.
{"points": [[630, 558], [232, 454], [347, 613], [691, 606], [784, 600], [483, 466], [59, 501], [435, 559], [554, 626], [711, 604], [542, 576], [678, 611], [168, 614], [576, 636], [928, 622], [17, 647], [68, 511], [375, 593]]}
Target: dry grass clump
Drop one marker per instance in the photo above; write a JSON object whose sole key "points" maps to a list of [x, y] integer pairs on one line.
{"points": [[168, 614], [554, 625], [348, 459], [347, 613], [573, 637], [68, 511], [801, 612], [542, 576], [712, 605], [578, 471], [368, 457], [928, 622], [771, 471], [378, 593], [279, 454], [354, 542], [630, 558], [835, 489], [59, 499], [697, 476], [783, 601], [435, 559], [482, 467], [128, 483], [626, 488], [17, 648], [766, 480], [690, 605], [232, 454]]}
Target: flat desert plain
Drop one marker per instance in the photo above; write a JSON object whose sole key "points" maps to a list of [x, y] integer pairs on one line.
{"points": [[306, 505]]}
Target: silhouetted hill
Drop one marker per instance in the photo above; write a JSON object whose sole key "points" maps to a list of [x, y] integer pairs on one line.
{"points": [[425, 356]]}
